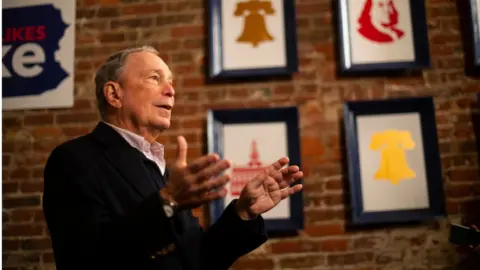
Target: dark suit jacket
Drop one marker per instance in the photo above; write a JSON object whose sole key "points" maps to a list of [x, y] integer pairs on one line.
{"points": [[102, 212]]}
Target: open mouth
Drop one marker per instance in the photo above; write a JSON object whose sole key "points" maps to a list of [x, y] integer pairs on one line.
{"points": [[166, 107]]}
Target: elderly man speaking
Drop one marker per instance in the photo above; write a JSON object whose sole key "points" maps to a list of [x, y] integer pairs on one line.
{"points": [[111, 203]]}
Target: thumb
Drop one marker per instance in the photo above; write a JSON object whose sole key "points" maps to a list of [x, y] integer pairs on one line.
{"points": [[181, 152]]}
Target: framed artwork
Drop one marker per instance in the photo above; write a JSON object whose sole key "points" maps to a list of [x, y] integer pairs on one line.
{"points": [[252, 38], [38, 62], [394, 167], [474, 28], [383, 35], [253, 139], [476, 123]]}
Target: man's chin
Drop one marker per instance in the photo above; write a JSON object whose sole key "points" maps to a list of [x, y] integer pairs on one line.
{"points": [[162, 125]]}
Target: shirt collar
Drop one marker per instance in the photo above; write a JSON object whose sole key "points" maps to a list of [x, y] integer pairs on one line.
{"points": [[139, 142]]}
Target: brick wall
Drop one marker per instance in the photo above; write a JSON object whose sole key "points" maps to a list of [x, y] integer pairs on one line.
{"points": [[176, 28]]}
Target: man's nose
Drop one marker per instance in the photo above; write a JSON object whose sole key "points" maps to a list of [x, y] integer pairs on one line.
{"points": [[169, 91]]}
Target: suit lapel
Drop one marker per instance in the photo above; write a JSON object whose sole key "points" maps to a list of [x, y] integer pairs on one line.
{"points": [[124, 158]]}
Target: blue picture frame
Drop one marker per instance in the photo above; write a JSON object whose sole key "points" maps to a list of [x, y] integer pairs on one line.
{"points": [[218, 119], [420, 42], [475, 28], [216, 69], [424, 106]]}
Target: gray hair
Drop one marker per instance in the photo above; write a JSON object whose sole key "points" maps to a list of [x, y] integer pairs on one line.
{"points": [[111, 70]]}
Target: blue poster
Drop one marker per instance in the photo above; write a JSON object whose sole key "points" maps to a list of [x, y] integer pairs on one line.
{"points": [[38, 53]]}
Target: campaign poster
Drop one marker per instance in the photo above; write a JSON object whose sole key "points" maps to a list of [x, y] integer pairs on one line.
{"points": [[38, 45]]}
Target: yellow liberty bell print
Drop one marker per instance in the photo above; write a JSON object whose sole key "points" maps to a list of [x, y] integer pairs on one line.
{"points": [[254, 28], [393, 162]]}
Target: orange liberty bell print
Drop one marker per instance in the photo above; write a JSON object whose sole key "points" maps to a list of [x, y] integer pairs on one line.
{"points": [[242, 175], [254, 27], [393, 161]]}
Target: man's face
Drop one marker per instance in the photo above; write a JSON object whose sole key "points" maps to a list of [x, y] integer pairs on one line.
{"points": [[147, 91], [381, 11]]}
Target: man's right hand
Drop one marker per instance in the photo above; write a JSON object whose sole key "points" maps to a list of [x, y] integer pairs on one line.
{"points": [[191, 185]]}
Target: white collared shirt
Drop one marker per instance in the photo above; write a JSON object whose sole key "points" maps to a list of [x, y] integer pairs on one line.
{"points": [[153, 151]]}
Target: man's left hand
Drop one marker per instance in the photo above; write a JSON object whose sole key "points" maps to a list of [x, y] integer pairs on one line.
{"points": [[268, 189]]}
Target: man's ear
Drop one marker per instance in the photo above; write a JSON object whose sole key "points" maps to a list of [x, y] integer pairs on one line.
{"points": [[113, 94]]}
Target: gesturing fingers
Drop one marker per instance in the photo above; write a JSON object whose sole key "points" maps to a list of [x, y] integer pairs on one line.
{"points": [[277, 165], [202, 162], [288, 175], [286, 192], [213, 195], [211, 171], [212, 184], [287, 172]]}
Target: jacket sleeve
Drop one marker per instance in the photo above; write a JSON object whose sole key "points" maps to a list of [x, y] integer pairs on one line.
{"points": [[224, 242], [230, 238], [84, 235]]}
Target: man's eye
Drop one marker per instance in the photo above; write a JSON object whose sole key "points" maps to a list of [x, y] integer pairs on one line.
{"points": [[155, 77]]}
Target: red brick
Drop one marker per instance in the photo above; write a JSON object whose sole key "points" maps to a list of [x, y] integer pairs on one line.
{"points": [[312, 188], [9, 187], [141, 9], [334, 185], [20, 202], [31, 187], [169, 45], [286, 247], [452, 207], [458, 191], [108, 12], [283, 90], [352, 258], [238, 93], [10, 245], [38, 119], [183, 6], [308, 9], [187, 31], [89, 2], [109, 37], [311, 146], [82, 104], [302, 261], [463, 175], [328, 200], [250, 262], [193, 82], [23, 230], [19, 173], [48, 257], [109, 2], [370, 242], [194, 43], [335, 245], [182, 57], [36, 244], [46, 132], [69, 118], [193, 123], [26, 214], [186, 69], [84, 39], [325, 229]]}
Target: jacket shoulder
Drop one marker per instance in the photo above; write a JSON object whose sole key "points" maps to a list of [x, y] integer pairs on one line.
{"points": [[77, 148]]}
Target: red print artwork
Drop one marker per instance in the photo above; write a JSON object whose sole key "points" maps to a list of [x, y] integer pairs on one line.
{"points": [[378, 21], [242, 175]]}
